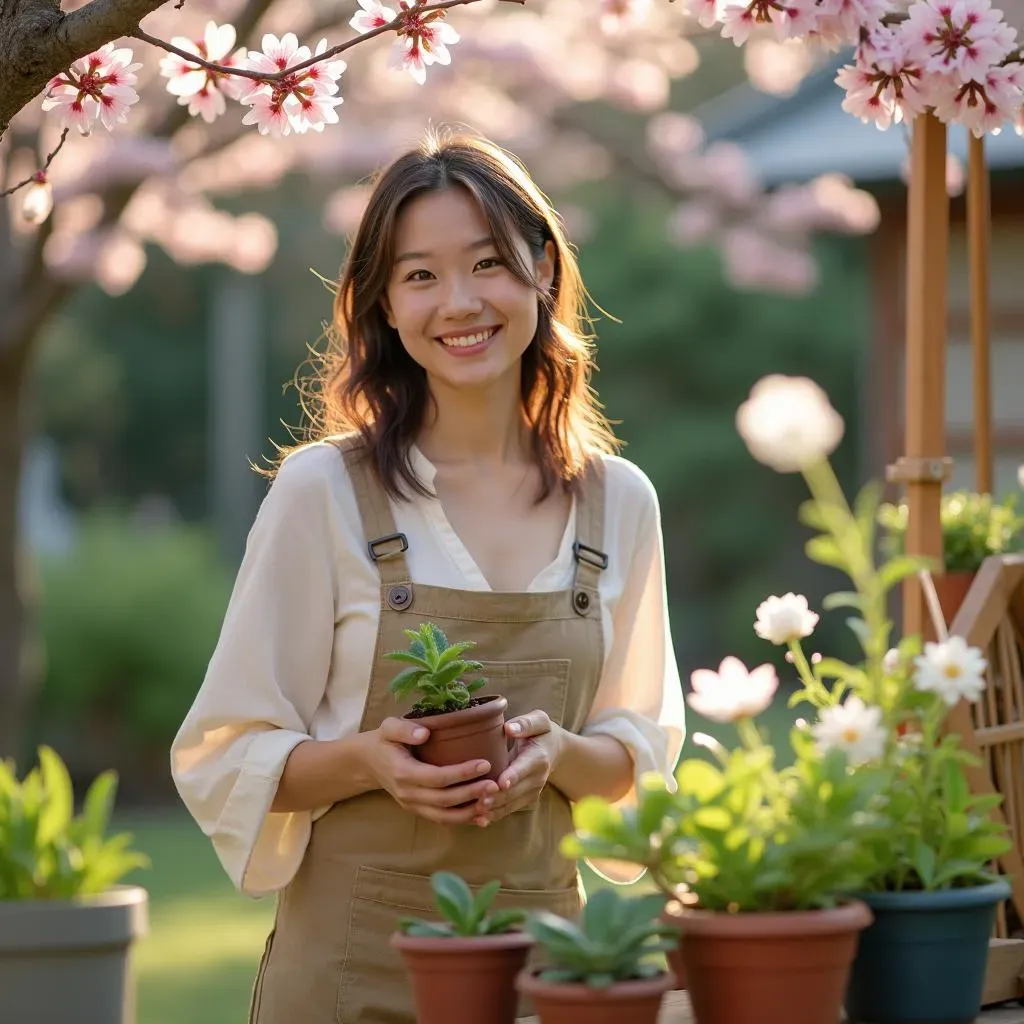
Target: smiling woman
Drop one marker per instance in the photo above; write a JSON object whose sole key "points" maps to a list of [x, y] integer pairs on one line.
{"points": [[459, 473]]}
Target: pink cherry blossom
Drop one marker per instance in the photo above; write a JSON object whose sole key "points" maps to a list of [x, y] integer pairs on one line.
{"points": [[99, 86], [622, 15], [884, 84], [964, 38], [705, 11], [373, 15], [983, 107], [298, 101], [198, 88], [423, 39], [739, 21]]}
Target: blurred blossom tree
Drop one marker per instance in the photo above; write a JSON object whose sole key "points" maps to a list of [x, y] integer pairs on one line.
{"points": [[114, 136]]}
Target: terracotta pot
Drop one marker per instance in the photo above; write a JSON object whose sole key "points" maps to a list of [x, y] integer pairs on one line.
{"points": [[675, 954], [790, 967], [637, 1002], [474, 732], [472, 981], [952, 588]]}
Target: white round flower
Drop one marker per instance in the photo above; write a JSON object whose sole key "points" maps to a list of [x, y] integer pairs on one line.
{"points": [[788, 423], [952, 669], [891, 661], [782, 620], [853, 727], [732, 692]]}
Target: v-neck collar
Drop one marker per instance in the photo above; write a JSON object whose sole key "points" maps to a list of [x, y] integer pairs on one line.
{"points": [[548, 579]]}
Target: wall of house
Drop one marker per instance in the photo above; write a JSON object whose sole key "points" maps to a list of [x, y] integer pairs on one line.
{"points": [[1006, 284]]}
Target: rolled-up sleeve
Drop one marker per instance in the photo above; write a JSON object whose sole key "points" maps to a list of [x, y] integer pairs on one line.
{"points": [[264, 682], [640, 700]]}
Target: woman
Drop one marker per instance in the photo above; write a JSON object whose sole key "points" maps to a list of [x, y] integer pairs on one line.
{"points": [[461, 476]]}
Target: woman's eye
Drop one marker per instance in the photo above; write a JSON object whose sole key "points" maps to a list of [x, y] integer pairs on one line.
{"points": [[419, 275], [489, 263]]}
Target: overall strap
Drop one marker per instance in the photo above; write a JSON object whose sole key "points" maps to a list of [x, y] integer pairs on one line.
{"points": [[385, 545], [589, 546]]}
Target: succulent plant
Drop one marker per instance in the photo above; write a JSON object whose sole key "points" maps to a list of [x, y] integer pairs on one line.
{"points": [[435, 672], [465, 914], [616, 939]]}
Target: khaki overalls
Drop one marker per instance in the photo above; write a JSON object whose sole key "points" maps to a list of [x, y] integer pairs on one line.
{"points": [[368, 861]]}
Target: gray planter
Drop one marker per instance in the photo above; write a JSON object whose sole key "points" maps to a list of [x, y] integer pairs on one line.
{"points": [[67, 962]]}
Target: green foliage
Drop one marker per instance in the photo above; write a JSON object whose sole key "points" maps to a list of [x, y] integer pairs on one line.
{"points": [[974, 526], [617, 939], [435, 670], [48, 852], [744, 836], [465, 915], [129, 620]]}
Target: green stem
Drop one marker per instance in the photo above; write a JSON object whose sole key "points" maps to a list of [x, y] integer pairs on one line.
{"points": [[820, 695], [749, 735]]}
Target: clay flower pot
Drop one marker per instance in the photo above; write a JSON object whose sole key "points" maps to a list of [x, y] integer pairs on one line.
{"points": [[675, 954], [790, 967], [635, 1001], [952, 588], [469, 980], [476, 732]]}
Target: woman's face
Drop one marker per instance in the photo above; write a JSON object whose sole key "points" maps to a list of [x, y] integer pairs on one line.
{"points": [[460, 312]]}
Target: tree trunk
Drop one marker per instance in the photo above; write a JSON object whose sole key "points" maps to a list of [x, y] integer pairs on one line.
{"points": [[15, 679]]}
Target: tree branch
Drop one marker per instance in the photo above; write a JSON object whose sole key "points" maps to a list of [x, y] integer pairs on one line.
{"points": [[42, 170], [277, 76]]}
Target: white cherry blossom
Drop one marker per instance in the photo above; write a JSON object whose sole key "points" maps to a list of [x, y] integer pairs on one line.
{"points": [[199, 88], [732, 692]]}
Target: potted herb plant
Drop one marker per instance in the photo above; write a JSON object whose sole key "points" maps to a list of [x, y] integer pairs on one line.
{"points": [[463, 968], [974, 526], [759, 857], [66, 925], [604, 968], [463, 727], [932, 892]]}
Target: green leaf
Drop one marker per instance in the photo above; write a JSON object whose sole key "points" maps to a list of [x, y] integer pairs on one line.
{"points": [[954, 784], [843, 599], [900, 568], [424, 929], [406, 682], [409, 658], [453, 897], [597, 816], [502, 921], [699, 778], [97, 807], [923, 861], [825, 551], [717, 819], [60, 800]]}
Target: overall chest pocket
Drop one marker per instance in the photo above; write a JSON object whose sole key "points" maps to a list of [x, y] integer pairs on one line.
{"points": [[531, 685], [374, 988]]}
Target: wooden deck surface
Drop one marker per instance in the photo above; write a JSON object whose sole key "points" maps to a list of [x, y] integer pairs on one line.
{"points": [[676, 1010]]}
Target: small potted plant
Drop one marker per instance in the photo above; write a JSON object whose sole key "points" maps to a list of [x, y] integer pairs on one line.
{"points": [[974, 526], [463, 727], [605, 968], [66, 925], [463, 968], [760, 859]]}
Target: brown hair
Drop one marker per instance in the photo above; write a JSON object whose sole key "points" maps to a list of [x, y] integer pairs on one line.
{"points": [[366, 382]]}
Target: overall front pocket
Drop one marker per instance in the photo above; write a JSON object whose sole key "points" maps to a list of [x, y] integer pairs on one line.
{"points": [[374, 988]]}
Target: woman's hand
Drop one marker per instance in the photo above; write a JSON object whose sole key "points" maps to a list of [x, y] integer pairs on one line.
{"points": [[538, 746], [431, 792]]}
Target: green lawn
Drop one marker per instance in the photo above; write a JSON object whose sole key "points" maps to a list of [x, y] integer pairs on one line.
{"points": [[198, 961]]}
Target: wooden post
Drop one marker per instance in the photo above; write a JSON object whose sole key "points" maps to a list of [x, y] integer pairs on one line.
{"points": [[924, 466], [979, 227]]}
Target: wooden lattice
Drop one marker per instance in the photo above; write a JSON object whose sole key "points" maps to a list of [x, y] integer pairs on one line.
{"points": [[992, 618]]}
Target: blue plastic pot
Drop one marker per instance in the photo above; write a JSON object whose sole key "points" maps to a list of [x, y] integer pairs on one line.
{"points": [[923, 960]]}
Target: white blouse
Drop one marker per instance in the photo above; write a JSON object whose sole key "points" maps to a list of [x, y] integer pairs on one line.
{"points": [[295, 653]]}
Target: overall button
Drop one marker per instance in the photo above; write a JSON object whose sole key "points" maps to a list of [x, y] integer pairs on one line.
{"points": [[399, 597], [581, 601]]}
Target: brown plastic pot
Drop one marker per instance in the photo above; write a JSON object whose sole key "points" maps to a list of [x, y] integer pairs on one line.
{"points": [[790, 967], [637, 1002], [952, 588], [469, 980], [476, 732]]}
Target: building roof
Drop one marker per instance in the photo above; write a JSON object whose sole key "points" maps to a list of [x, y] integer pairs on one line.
{"points": [[798, 137]]}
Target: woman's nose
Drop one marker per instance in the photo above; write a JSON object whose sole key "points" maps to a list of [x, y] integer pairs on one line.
{"points": [[460, 300]]}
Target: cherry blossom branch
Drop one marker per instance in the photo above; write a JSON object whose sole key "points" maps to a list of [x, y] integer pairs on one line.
{"points": [[319, 58], [42, 170]]}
